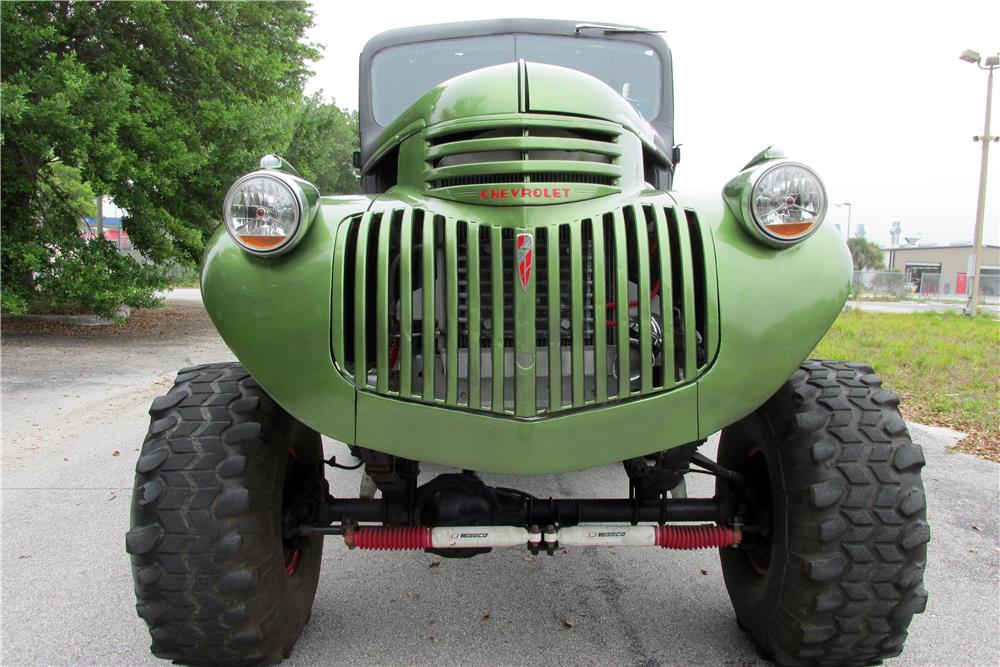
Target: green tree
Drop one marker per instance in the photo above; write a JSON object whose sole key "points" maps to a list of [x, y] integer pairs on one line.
{"points": [[323, 142], [63, 192], [867, 256], [159, 105]]}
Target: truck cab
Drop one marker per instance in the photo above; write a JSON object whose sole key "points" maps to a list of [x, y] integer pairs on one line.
{"points": [[399, 67]]}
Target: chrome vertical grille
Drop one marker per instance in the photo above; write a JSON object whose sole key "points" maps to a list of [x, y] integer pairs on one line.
{"points": [[619, 305]]}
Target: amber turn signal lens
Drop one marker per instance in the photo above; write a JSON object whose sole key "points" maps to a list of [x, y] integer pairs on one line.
{"points": [[262, 242], [790, 229]]}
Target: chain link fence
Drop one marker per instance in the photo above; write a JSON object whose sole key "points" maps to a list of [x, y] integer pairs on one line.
{"points": [[926, 286], [880, 283]]}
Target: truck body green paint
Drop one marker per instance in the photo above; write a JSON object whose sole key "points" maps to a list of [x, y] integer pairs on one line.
{"points": [[521, 290], [569, 152]]}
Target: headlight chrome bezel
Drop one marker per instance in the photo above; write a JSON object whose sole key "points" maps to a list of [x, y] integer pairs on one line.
{"points": [[741, 191], [304, 195]]}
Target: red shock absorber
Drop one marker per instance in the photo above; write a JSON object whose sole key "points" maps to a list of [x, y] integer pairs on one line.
{"points": [[377, 537], [705, 536]]}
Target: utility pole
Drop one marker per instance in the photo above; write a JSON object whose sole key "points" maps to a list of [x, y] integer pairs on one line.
{"points": [[849, 207], [991, 63]]}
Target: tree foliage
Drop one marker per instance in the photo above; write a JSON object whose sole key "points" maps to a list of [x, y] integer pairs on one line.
{"points": [[867, 256], [322, 146], [93, 276], [159, 105]]}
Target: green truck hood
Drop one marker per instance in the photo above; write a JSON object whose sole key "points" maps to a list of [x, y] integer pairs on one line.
{"points": [[523, 87]]}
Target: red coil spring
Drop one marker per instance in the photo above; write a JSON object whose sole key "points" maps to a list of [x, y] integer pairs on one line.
{"points": [[389, 538], [705, 536]]}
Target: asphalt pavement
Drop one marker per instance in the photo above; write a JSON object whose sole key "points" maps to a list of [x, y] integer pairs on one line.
{"points": [[74, 415]]}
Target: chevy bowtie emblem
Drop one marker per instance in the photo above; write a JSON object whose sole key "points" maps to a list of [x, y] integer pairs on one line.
{"points": [[525, 258]]}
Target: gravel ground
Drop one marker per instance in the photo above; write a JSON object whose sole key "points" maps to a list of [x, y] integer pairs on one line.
{"points": [[74, 414]]}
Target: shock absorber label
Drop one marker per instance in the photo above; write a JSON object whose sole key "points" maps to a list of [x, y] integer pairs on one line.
{"points": [[460, 537], [607, 536]]}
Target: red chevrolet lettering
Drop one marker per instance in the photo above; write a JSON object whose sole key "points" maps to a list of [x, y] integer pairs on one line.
{"points": [[525, 193]]}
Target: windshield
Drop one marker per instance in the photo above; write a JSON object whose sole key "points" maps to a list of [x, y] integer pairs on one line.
{"points": [[402, 74]]}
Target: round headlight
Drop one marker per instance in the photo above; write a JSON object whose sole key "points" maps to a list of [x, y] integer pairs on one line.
{"points": [[264, 212], [787, 203]]}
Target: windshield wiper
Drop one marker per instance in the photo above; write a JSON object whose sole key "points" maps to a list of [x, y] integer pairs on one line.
{"points": [[612, 28]]}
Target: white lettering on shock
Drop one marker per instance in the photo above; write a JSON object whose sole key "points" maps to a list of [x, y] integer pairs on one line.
{"points": [[460, 537], [627, 536]]}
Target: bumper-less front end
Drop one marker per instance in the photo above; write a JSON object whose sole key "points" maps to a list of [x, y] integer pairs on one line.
{"points": [[562, 337]]}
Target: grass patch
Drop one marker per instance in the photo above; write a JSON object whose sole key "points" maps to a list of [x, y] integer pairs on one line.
{"points": [[944, 366]]}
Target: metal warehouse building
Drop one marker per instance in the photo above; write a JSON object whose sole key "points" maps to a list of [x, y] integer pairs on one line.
{"points": [[945, 266]]}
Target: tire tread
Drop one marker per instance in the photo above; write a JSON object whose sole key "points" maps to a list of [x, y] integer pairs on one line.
{"points": [[200, 556], [858, 532]]}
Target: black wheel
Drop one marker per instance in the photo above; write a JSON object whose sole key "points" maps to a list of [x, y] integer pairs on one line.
{"points": [[222, 468], [831, 570]]}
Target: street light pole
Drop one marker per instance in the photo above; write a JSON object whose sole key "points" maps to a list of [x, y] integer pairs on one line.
{"points": [[991, 63], [849, 207]]}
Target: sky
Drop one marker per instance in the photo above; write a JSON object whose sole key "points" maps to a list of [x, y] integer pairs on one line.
{"points": [[872, 95]]}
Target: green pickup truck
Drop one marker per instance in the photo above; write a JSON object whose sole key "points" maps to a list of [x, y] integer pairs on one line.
{"points": [[520, 290]]}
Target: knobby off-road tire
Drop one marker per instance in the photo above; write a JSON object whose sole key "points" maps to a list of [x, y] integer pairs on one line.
{"points": [[214, 580], [841, 576]]}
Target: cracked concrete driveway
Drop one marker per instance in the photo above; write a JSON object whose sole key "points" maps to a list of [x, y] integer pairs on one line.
{"points": [[74, 415]]}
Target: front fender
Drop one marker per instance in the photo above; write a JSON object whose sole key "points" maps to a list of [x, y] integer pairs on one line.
{"points": [[274, 314], [775, 305]]}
